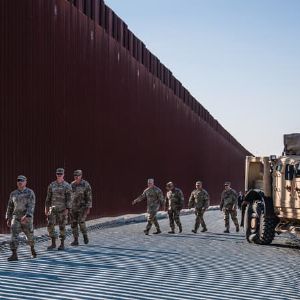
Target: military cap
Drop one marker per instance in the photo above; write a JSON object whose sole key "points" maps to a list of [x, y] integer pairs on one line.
{"points": [[21, 178], [227, 183], [198, 182], [60, 170], [77, 172]]}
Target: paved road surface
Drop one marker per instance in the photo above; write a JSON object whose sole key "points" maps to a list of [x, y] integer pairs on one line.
{"points": [[122, 263]]}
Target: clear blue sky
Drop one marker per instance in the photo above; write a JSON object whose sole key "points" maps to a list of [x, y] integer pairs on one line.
{"points": [[240, 59]]}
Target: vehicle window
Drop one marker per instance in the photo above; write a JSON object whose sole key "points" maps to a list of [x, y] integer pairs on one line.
{"points": [[289, 172], [279, 167]]}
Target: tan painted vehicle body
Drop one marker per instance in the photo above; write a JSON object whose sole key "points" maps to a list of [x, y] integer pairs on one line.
{"points": [[273, 193]]}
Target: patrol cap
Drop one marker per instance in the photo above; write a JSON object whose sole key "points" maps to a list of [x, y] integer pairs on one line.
{"points": [[198, 182], [77, 172], [60, 170], [170, 184], [227, 183], [21, 178]]}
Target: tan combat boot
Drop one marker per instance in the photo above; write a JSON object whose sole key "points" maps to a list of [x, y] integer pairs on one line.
{"points": [[14, 256], [33, 252], [75, 242], [62, 245], [53, 244]]}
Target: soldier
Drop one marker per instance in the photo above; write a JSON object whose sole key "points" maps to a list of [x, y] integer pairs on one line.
{"points": [[81, 205], [200, 200], [19, 216], [229, 205], [174, 202], [155, 199], [57, 206]]}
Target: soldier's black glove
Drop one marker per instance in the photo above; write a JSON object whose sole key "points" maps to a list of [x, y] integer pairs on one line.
{"points": [[221, 207]]}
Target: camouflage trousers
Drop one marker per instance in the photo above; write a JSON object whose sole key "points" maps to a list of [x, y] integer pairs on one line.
{"points": [[199, 212], [78, 218], [174, 218], [233, 214], [152, 220], [16, 228], [57, 217]]}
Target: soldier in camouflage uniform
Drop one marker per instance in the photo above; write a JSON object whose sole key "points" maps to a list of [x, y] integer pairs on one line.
{"points": [[200, 200], [155, 199], [57, 207], [81, 205], [19, 216], [229, 205], [174, 203]]}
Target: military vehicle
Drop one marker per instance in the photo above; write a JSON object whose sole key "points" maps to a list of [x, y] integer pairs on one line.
{"points": [[272, 186]]}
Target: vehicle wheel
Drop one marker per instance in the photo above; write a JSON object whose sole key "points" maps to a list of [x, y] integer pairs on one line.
{"points": [[259, 228]]}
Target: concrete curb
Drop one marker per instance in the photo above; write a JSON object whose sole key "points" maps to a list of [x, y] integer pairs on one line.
{"points": [[41, 234]]}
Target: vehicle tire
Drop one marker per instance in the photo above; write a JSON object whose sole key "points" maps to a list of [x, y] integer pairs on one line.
{"points": [[259, 228]]}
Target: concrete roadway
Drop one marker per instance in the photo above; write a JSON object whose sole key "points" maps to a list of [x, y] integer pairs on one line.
{"points": [[122, 263]]}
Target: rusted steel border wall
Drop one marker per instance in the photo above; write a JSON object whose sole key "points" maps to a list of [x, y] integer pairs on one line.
{"points": [[80, 90]]}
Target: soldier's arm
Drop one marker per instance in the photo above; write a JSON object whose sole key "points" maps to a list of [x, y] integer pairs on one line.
{"points": [[235, 199], [191, 201], [166, 202], [207, 201], [222, 201], [139, 198], [161, 198], [88, 196], [181, 196], [48, 197], [30, 205], [10, 208], [68, 197]]}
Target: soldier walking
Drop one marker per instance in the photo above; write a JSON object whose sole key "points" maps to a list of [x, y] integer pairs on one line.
{"points": [[57, 206], [200, 200], [19, 216], [155, 199], [81, 205], [174, 203], [229, 206]]}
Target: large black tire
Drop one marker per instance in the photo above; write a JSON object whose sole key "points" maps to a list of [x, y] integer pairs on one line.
{"points": [[259, 228]]}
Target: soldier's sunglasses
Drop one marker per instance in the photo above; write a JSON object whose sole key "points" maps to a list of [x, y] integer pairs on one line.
{"points": [[59, 174], [20, 180]]}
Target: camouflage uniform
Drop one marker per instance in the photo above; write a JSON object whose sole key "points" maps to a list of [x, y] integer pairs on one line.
{"points": [[228, 205], [155, 199], [58, 199], [174, 202], [82, 200], [21, 203], [200, 200]]}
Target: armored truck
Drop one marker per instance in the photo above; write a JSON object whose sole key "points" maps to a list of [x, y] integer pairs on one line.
{"points": [[272, 193]]}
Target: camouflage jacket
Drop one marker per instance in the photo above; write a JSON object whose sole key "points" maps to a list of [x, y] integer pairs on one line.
{"points": [[81, 195], [174, 199], [59, 195], [199, 199], [154, 198], [229, 199], [21, 203]]}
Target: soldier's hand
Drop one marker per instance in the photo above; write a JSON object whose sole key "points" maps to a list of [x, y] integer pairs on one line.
{"points": [[133, 202], [8, 223], [66, 211], [46, 211], [221, 208], [24, 220]]}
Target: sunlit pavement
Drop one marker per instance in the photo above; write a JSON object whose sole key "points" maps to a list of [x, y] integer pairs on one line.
{"points": [[122, 263]]}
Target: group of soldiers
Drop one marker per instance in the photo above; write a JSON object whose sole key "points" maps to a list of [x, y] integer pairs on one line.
{"points": [[74, 201], [63, 201], [174, 200]]}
